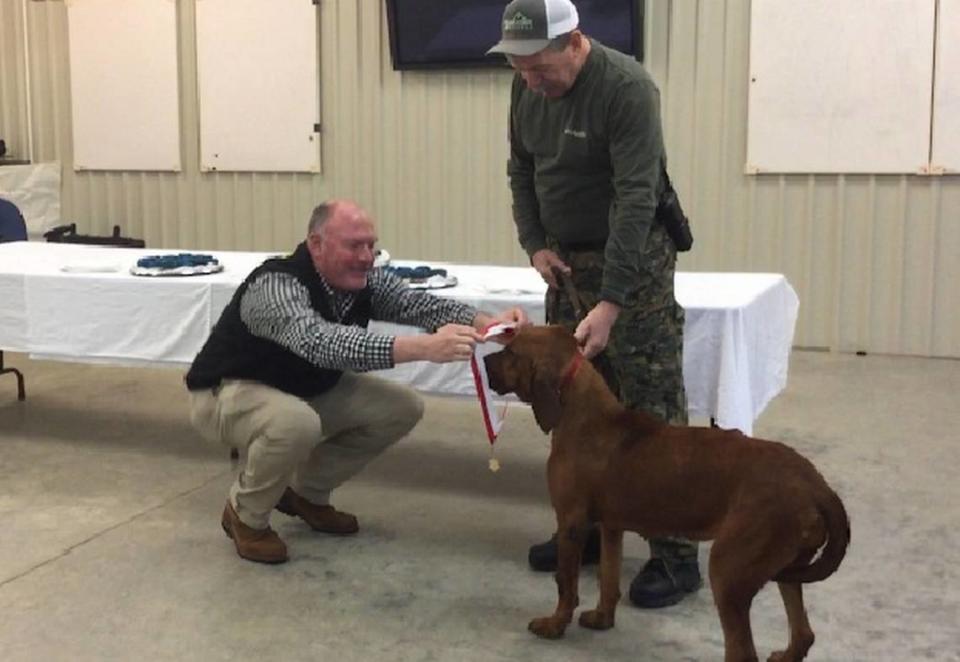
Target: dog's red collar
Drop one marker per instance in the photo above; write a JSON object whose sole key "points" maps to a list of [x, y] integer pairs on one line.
{"points": [[571, 370]]}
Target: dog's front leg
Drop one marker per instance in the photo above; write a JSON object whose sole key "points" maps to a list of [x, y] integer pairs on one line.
{"points": [[611, 553], [570, 540]]}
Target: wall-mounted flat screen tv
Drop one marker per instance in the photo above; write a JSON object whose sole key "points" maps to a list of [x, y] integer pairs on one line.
{"points": [[449, 34]]}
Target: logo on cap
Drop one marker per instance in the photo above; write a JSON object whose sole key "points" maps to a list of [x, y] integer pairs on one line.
{"points": [[518, 23]]}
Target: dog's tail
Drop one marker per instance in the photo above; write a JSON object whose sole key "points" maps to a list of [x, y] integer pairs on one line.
{"points": [[838, 538]]}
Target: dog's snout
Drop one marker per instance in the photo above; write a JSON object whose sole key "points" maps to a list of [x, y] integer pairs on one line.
{"points": [[494, 364]]}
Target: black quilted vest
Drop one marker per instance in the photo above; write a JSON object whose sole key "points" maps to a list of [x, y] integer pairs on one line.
{"points": [[232, 352]]}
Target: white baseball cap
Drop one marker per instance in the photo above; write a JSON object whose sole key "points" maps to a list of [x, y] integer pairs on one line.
{"points": [[529, 25]]}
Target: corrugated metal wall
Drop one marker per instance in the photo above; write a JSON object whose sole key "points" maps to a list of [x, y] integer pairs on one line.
{"points": [[875, 260]]}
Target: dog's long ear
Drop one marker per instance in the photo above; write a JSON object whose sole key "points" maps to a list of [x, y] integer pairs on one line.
{"points": [[546, 403]]}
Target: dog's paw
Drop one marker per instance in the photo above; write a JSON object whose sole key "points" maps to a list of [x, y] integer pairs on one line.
{"points": [[547, 628], [596, 620]]}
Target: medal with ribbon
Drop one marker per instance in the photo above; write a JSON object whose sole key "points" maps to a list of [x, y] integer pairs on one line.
{"points": [[492, 416]]}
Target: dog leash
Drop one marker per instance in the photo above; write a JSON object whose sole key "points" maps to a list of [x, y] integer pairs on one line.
{"points": [[567, 283], [600, 361]]}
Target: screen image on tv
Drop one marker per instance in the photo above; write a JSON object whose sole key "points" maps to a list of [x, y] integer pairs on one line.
{"points": [[451, 34]]}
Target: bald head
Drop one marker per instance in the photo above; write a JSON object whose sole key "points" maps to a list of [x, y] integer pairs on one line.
{"points": [[341, 238]]}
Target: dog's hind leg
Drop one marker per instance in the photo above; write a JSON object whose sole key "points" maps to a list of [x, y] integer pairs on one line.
{"points": [[801, 636], [571, 536], [733, 604], [745, 556], [735, 580], [611, 554]]}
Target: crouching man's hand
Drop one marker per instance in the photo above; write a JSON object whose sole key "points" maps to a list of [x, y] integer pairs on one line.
{"points": [[453, 342], [516, 316]]}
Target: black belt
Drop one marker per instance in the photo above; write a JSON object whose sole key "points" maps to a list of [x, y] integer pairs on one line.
{"points": [[582, 246]]}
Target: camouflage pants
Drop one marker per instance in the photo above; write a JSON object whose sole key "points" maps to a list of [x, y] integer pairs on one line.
{"points": [[643, 360]]}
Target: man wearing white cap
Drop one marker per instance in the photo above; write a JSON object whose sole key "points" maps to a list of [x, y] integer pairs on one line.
{"points": [[587, 170]]}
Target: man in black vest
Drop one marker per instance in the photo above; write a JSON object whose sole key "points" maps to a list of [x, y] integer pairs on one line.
{"points": [[280, 375]]}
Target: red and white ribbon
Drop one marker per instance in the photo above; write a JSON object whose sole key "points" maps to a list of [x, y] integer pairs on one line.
{"points": [[492, 418]]}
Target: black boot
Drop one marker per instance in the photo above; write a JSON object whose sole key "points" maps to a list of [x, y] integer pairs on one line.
{"points": [[543, 557], [662, 583]]}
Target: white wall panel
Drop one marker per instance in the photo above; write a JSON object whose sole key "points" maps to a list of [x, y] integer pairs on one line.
{"points": [[840, 86], [258, 80], [946, 96], [123, 84], [13, 111]]}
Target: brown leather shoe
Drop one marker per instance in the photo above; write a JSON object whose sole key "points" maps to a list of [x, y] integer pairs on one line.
{"points": [[260, 545], [325, 519]]}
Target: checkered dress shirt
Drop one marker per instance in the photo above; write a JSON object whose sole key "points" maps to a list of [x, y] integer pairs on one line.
{"points": [[276, 307]]}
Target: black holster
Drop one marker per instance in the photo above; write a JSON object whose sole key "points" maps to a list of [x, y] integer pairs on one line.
{"points": [[675, 222]]}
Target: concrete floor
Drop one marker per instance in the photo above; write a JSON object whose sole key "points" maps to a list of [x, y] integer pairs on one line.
{"points": [[111, 548]]}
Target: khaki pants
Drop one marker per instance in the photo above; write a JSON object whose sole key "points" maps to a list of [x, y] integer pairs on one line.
{"points": [[311, 445]]}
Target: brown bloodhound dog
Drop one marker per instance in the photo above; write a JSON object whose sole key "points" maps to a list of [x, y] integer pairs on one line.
{"points": [[766, 507]]}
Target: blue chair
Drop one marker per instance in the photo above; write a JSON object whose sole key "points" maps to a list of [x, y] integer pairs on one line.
{"points": [[12, 225], [12, 228]]}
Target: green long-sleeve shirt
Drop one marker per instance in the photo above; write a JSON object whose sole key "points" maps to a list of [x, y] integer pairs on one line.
{"points": [[586, 167]]}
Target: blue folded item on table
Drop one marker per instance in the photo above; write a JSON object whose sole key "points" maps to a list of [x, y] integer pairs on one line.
{"points": [[176, 261], [421, 272]]}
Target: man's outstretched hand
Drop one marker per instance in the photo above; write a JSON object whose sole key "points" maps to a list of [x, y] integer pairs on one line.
{"points": [[515, 316], [453, 342]]}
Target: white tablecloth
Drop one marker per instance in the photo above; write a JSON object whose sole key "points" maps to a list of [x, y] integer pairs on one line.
{"points": [[55, 302]]}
